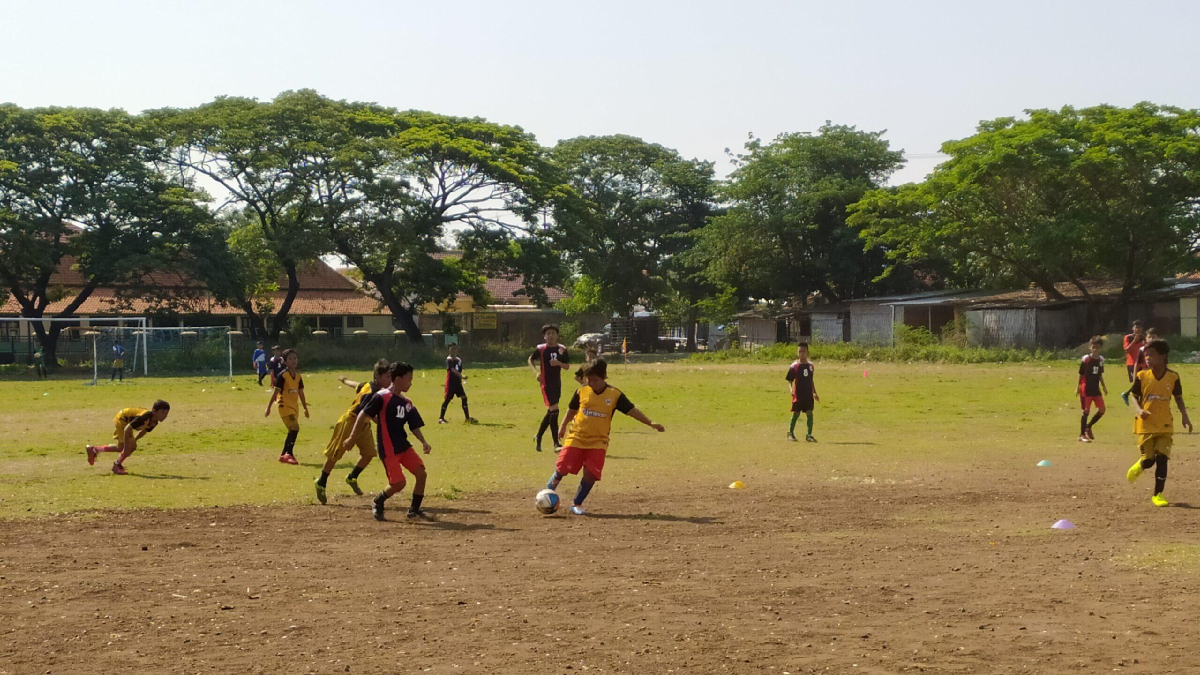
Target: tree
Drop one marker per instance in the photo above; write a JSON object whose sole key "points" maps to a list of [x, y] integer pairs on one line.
{"points": [[386, 187], [631, 201], [256, 156], [78, 187], [784, 236], [1058, 197]]}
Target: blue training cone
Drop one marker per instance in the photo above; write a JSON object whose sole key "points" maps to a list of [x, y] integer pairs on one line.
{"points": [[1045, 462]]}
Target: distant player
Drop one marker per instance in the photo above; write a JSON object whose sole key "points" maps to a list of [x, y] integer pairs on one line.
{"points": [[1139, 360], [454, 385], [1091, 388], [1132, 344], [589, 417], [118, 364], [391, 411], [1153, 390], [800, 377], [39, 364], [130, 425], [276, 364], [381, 379], [259, 362], [590, 355], [289, 391], [548, 360]]}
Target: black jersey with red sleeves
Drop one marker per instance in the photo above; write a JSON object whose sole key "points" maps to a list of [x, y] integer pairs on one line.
{"points": [[1091, 369], [392, 410], [802, 375], [549, 358]]}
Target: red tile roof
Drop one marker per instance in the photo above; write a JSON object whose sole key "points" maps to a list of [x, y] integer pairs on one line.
{"points": [[506, 289]]}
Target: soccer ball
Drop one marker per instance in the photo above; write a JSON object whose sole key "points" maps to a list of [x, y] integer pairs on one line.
{"points": [[547, 501]]}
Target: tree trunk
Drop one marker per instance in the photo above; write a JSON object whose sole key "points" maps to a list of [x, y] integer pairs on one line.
{"points": [[402, 319], [280, 320]]}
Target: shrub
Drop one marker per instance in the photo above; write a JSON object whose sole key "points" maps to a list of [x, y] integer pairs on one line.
{"points": [[849, 351]]}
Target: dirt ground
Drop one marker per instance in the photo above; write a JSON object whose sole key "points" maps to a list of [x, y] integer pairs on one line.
{"points": [[947, 573]]}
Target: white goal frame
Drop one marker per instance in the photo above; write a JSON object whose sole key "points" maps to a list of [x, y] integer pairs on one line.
{"points": [[139, 324]]}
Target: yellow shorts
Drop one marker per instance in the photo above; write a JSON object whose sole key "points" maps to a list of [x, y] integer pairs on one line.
{"points": [[290, 420], [365, 441], [119, 432], [1152, 445], [118, 364]]}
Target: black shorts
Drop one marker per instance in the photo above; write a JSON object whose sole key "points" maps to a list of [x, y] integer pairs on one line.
{"points": [[455, 388], [802, 406], [551, 393]]}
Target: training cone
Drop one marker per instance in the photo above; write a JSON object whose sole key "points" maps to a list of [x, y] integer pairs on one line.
{"points": [[1063, 525], [1045, 462], [864, 373], [737, 485]]}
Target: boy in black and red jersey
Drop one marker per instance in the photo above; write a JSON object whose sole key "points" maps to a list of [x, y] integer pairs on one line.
{"points": [[548, 361], [454, 385], [391, 411], [1091, 384]]}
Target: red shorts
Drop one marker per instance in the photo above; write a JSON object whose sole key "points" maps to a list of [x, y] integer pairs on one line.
{"points": [[1087, 401], [570, 460], [409, 459]]}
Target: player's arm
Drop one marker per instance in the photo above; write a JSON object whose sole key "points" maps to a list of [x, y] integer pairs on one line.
{"points": [[1187, 423], [274, 395], [564, 360], [534, 367], [816, 397], [303, 401], [572, 411], [1103, 386], [359, 422], [129, 442], [350, 383], [626, 406], [425, 447], [1135, 395]]}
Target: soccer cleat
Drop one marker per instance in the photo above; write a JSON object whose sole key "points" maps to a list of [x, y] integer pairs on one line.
{"points": [[414, 513], [472, 420], [1134, 471], [1159, 500], [288, 459], [539, 444], [377, 509], [1084, 439], [1125, 397], [442, 421], [353, 483], [320, 492], [578, 510], [1091, 436], [792, 437], [91, 453], [557, 446], [810, 438], [118, 469]]}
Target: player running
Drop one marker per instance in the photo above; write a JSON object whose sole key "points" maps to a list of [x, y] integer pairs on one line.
{"points": [[391, 411], [382, 379], [454, 386], [804, 392], [552, 359], [1153, 390], [130, 425], [589, 416], [289, 390], [1091, 384]]}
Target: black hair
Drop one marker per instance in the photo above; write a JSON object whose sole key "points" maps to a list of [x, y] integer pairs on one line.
{"points": [[160, 405], [275, 348], [599, 368], [1097, 340], [288, 352], [1159, 346], [802, 344], [1137, 323], [400, 369], [452, 345], [382, 367], [550, 326]]}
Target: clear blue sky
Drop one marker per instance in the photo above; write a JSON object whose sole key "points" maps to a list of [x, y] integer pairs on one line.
{"points": [[697, 75]]}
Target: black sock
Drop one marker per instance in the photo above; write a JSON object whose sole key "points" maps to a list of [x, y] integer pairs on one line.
{"points": [[323, 479], [381, 497], [416, 502], [1083, 425], [1160, 475], [466, 410], [445, 404], [1095, 418], [355, 472], [553, 417], [544, 425], [290, 443], [1147, 463]]}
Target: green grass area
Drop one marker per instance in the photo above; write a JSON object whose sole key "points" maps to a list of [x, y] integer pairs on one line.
{"points": [[875, 422]]}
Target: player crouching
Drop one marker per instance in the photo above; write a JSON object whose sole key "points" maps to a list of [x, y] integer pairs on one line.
{"points": [[131, 424], [391, 411], [589, 417]]}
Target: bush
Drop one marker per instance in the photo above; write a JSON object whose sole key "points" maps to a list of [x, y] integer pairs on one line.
{"points": [[848, 351]]}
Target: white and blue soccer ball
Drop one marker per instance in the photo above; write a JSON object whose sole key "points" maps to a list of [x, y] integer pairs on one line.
{"points": [[547, 501]]}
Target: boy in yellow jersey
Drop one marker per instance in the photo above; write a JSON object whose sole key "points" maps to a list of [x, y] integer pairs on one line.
{"points": [[589, 417], [1153, 389], [382, 379], [130, 425], [289, 390]]}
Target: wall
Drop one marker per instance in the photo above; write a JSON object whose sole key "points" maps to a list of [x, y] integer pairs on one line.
{"points": [[1061, 327], [1189, 325], [1001, 327], [758, 332], [827, 328], [872, 324]]}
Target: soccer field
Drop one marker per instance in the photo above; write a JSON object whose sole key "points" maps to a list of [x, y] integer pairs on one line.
{"points": [[915, 536]]}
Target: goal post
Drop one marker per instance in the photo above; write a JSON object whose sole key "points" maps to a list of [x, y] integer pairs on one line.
{"points": [[18, 333], [192, 350]]}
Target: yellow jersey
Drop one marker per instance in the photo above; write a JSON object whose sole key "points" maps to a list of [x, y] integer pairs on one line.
{"points": [[592, 422], [289, 387], [365, 391], [140, 418], [1154, 395]]}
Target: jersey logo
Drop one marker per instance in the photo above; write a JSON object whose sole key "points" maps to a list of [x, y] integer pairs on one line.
{"points": [[593, 413]]}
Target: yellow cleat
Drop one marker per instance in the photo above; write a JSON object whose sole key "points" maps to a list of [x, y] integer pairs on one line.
{"points": [[1159, 500], [1134, 471]]}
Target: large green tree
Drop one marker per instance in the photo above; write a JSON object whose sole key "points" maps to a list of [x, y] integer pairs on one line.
{"points": [[784, 236], [630, 202], [1061, 196], [79, 187]]}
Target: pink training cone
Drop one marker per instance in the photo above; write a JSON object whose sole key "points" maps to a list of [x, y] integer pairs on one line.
{"points": [[1063, 525], [864, 372]]}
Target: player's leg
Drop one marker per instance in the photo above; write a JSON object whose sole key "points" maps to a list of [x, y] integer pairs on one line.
{"points": [[394, 471], [570, 461], [791, 436], [1086, 405], [412, 461], [593, 468], [366, 451], [552, 397], [466, 408], [288, 456], [1149, 458], [1100, 410], [445, 404], [808, 418]]}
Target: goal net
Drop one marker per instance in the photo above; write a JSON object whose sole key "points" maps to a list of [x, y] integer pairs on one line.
{"points": [[204, 351]]}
